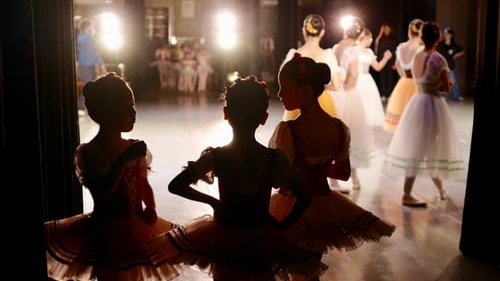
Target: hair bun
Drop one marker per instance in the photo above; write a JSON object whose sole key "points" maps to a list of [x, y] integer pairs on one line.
{"points": [[355, 28], [415, 26], [313, 24]]}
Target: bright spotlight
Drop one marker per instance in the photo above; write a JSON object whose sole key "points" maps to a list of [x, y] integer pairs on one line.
{"points": [[227, 40], [346, 21], [226, 20], [173, 40], [232, 76], [110, 31], [226, 30]]}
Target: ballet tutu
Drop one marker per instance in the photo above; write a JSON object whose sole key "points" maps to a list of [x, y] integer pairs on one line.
{"points": [[425, 141], [401, 94], [243, 253], [351, 111], [83, 247], [331, 221], [368, 91]]}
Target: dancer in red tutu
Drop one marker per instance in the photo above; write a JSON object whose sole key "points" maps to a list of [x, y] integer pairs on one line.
{"points": [[113, 242]]}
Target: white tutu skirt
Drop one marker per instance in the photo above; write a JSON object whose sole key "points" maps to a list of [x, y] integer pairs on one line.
{"points": [[243, 253], [351, 111], [86, 248], [332, 221], [370, 96], [425, 141]]}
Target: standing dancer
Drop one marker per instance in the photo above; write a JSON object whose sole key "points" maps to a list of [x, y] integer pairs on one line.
{"points": [[350, 107], [313, 30], [405, 87], [425, 140]]}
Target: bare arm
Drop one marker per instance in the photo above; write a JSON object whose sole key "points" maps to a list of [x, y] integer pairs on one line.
{"points": [[378, 65], [444, 81], [181, 184], [458, 54]]}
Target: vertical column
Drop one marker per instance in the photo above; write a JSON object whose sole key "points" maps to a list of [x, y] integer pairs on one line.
{"points": [[287, 27], [136, 45], [39, 127]]}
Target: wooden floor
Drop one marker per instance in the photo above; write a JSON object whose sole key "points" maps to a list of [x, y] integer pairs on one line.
{"points": [[177, 126]]}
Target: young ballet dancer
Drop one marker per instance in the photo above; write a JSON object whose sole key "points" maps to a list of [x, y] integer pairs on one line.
{"points": [[113, 242], [350, 107], [366, 85], [312, 142], [425, 140], [241, 241], [405, 86], [313, 30]]}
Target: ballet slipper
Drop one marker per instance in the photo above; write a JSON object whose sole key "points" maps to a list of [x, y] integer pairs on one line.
{"points": [[411, 201]]}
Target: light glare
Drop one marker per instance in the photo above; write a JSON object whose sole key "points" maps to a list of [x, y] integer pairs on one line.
{"points": [[346, 21]]}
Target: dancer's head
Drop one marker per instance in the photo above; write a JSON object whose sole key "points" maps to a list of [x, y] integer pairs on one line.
{"points": [[313, 26], [110, 102], [431, 34], [246, 102], [301, 76], [415, 27], [355, 28]]}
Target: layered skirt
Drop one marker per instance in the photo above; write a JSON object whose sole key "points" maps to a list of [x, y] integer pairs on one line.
{"points": [[83, 247], [243, 253], [332, 221]]}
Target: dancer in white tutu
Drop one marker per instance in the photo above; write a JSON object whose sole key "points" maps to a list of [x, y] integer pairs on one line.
{"points": [[349, 104], [425, 140], [366, 85], [313, 30]]}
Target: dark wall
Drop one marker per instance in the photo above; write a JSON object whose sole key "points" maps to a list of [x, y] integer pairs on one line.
{"points": [[479, 239], [38, 125]]}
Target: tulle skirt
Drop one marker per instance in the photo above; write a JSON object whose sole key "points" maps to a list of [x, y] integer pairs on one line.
{"points": [[401, 94], [370, 95], [243, 253], [351, 111], [331, 222], [325, 101], [425, 141], [83, 247]]}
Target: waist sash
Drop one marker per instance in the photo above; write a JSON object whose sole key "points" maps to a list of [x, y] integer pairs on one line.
{"points": [[428, 89]]}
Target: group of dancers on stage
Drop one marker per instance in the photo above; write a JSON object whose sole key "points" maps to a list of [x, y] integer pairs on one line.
{"points": [[276, 214]]}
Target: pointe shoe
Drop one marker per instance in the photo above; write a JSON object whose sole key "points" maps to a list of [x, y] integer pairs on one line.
{"points": [[413, 202]]}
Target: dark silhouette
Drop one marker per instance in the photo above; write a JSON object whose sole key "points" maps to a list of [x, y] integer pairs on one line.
{"points": [[241, 241], [312, 142], [113, 242], [387, 76]]}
